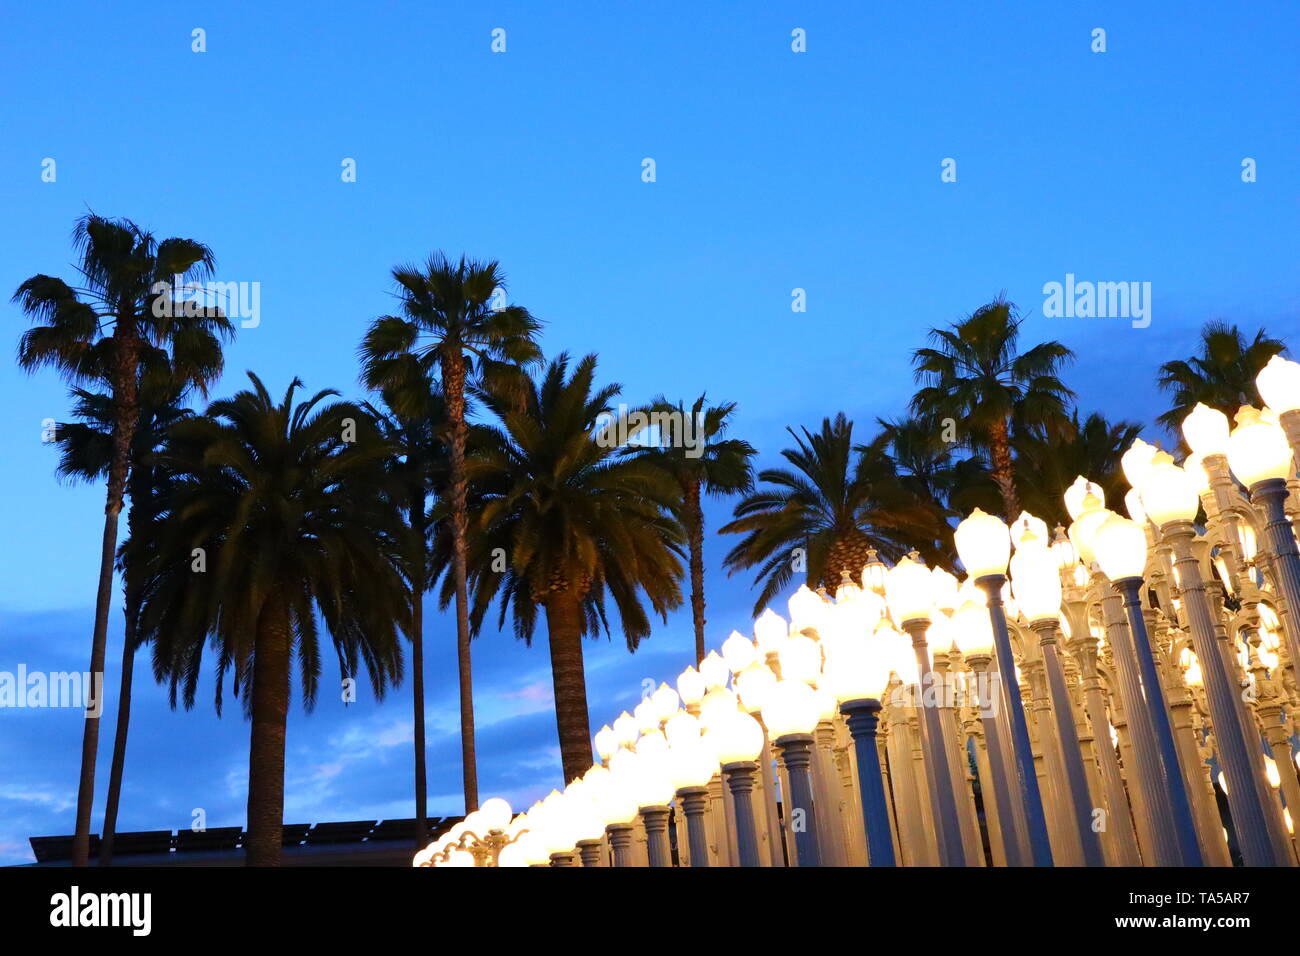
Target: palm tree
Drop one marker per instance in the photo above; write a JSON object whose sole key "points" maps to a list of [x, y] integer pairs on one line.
{"points": [[820, 517], [920, 483], [451, 327], [1221, 375], [562, 521], [976, 377], [280, 514], [86, 451], [100, 330], [1050, 462], [418, 467], [706, 464]]}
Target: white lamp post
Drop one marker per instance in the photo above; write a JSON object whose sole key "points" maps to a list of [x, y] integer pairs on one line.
{"points": [[1036, 584], [908, 588], [984, 544], [791, 712], [1121, 548]]}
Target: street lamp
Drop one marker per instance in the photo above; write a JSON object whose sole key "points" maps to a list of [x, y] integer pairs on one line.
{"points": [[855, 676], [1121, 548], [984, 544], [790, 712], [737, 741], [1036, 584]]}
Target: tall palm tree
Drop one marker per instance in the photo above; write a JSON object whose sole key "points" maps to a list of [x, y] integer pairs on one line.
{"points": [[1050, 462], [86, 451], [100, 329], [1221, 375], [701, 461], [418, 467], [820, 516], [576, 523], [976, 376], [280, 515], [450, 325]]}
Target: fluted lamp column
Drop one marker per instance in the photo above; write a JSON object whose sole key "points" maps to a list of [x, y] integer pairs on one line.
{"points": [[737, 739], [1262, 458], [790, 713], [856, 674], [691, 766], [1170, 497], [1121, 549], [984, 544], [1036, 584]]}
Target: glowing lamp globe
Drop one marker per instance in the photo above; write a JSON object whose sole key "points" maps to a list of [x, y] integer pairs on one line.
{"points": [[873, 574], [1258, 449], [646, 715], [984, 544], [791, 708], [512, 855], [714, 670], [1169, 494], [1279, 384], [908, 588], [1029, 531], [801, 659], [738, 651], [715, 703], [1084, 532], [626, 729], [807, 608], [1036, 584], [606, 742], [944, 589], [739, 738], [973, 629], [770, 629], [653, 744], [1133, 505], [1121, 548], [1194, 465], [1206, 430], [690, 686], [691, 764], [495, 814], [1083, 496], [681, 727], [1137, 461], [753, 685], [855, 673]]}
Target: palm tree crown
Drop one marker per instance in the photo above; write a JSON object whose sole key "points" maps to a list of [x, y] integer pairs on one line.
{"points": [[702, 462], [975, 375], [1221, 375], [562, 521], [278, 516], [819, 517]]}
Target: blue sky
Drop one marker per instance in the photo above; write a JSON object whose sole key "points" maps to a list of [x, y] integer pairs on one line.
{"points": [[775, 170]]}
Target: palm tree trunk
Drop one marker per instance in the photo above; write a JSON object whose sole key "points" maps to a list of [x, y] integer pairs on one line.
{"points": [[695, 540], [564, 625], [126, 413], [417, 664], [453, 379], [270, 691], [1003, 471], [139, 483], [132, 611]]}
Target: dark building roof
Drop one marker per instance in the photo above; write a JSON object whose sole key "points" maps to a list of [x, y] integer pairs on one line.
{"points": [[347, 843]]}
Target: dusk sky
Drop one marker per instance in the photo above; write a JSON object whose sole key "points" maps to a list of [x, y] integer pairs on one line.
{"points": [[775, 170]]}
